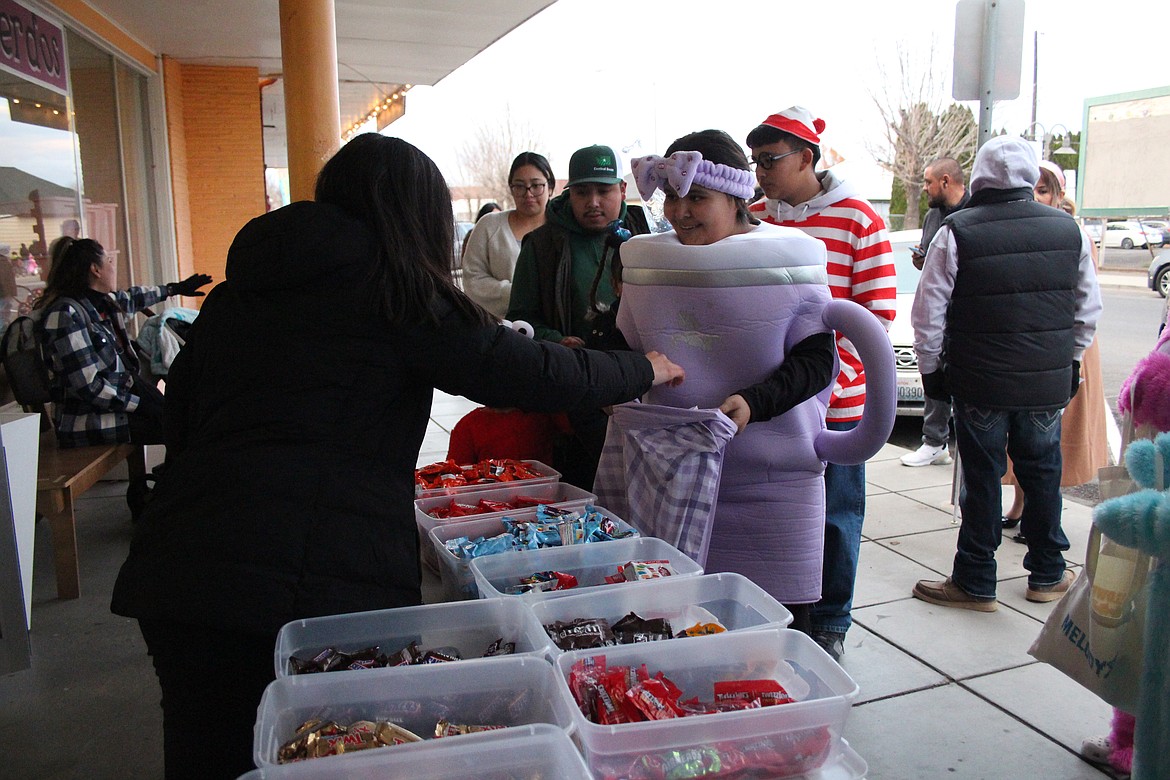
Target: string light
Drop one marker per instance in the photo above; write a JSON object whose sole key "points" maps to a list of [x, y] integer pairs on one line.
{"points": [[373, 113]]}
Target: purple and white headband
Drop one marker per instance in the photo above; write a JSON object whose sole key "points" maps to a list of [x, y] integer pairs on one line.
{"points": [[682, 169]]}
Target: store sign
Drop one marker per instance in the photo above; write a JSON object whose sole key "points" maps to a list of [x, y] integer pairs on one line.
{"points": [[31, 47]]}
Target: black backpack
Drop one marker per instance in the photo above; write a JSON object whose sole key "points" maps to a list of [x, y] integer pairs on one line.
{"points": [[25, 366]]}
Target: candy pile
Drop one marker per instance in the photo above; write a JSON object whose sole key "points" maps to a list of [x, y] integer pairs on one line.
{"points": [[589, 633], [552, 528], [783, 755], [556, 580], [449, 474], [317, 738], [629, 694], [483, 506], [333, 660]]}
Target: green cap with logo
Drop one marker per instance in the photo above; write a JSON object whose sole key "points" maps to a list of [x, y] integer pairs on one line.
{"points": [[596, 164]]}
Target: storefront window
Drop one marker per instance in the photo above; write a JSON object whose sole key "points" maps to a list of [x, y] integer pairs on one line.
{"points": [[76, 163]]}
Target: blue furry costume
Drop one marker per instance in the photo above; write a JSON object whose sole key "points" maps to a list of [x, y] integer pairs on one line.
{"points": [[1142, 520]]}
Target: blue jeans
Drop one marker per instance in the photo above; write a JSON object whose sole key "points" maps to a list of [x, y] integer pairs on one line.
{"points": [[1033, 441], [844, 513]]}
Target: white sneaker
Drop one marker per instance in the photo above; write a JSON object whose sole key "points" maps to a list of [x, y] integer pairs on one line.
{"points": [[927, 455]]}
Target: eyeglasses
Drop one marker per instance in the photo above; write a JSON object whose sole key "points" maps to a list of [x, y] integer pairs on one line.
{"points": [[766, 161], [537, 188]]}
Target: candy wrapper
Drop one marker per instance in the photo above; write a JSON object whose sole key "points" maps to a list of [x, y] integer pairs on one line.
{"points": [[633, 629], [543, 581], [449, 474], [581, 634], [332, 660], [483, 506], [551, 528], [316, 738]]}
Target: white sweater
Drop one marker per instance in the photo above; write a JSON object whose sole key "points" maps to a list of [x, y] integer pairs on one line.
{"points": [[489, 261]]}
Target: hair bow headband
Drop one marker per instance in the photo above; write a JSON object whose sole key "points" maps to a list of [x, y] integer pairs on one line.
{"points": [[682, 169]]}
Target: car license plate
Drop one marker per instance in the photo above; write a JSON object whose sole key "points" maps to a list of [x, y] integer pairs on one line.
{"points": [[911, 393]]}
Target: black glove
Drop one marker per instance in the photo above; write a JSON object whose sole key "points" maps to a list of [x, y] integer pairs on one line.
{"points": [[934, 385], [189, 286], [1076, 379]]}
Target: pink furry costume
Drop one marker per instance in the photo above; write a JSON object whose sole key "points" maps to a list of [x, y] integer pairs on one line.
{"points": [[728, 312]]}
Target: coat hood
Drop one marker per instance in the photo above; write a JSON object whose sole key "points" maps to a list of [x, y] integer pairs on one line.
{"points": [[1005, 163], [298, 245], [833, 190]]}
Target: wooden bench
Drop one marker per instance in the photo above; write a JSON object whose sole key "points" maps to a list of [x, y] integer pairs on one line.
{"points": [[63, 476]]}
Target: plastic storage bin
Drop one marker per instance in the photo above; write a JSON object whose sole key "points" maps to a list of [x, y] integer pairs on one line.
{"points": [[558, 494], [538, 750], [737, 602], [468, 625], [806, 733], [458, 580], [547, 474], [589, 563], [501, 691]]}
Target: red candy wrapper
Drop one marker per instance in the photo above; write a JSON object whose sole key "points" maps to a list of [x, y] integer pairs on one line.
{"points": [[766, 692], [450, 474]]}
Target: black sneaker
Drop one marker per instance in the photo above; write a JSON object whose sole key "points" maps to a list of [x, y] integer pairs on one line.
{"points": [[831, 642]]}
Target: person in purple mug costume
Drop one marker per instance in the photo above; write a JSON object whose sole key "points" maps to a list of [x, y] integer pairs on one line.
{"points": [[746, 309]]}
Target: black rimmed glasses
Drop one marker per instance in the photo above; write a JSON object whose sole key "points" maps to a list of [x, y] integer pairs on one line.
{"points": [[519, 190], [766, 161]]}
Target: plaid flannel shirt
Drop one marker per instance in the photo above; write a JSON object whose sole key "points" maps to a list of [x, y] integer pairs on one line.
{"points": [[660, 471], [92, 379]]}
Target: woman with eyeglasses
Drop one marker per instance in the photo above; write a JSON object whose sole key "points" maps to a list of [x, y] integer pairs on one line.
{"points": [[493, 246]]}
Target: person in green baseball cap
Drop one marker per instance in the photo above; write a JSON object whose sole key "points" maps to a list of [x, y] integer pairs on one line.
{"points": [[555, 273]]}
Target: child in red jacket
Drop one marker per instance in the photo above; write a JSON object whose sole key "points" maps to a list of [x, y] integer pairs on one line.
{"points": [[488, 432]]}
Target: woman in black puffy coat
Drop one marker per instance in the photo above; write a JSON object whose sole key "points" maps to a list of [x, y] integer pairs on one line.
{"points": [[295, 414]]}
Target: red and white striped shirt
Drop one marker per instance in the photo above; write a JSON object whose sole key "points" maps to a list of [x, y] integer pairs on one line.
{"points": [[861, 269]]}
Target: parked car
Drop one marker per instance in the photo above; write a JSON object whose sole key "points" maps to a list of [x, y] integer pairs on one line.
{"points": [[1093, 228], [1128, 235], [1158, 276], [911, 398], [1159, 225], [461, 231]]}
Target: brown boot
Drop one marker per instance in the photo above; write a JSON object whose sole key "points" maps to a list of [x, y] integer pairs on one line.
{"points": [[946, 593], [1043, 593]]}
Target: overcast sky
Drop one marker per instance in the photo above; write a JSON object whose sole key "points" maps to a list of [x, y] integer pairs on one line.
{"points": [[640, 73]]}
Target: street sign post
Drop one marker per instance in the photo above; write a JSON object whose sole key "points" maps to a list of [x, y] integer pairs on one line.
{"points": [[989, 47]]}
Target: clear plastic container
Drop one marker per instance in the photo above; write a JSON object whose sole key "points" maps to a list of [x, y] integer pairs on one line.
{"points": [[737, 602], [517, 753], [802, 736], [559, 494], [589, 563], [497, 691], [469, 626], [458, 580], [547, 474]]}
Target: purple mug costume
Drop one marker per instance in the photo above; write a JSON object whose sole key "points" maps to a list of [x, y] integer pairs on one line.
{"points": [[728, 313]]}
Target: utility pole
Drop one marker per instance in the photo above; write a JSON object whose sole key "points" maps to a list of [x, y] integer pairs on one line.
{"points": [[1035, 73]]}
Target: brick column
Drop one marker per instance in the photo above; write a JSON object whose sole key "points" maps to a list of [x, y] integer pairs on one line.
{"points": [[308, 45]]}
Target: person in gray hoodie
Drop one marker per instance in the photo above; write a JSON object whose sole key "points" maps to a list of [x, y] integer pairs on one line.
{"points": [[1007, 304]]}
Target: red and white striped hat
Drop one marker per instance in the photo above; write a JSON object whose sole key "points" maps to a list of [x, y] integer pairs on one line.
{"points": [[798, 121]]}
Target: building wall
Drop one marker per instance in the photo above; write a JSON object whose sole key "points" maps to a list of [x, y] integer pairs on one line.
{"points": [[217, 159]]}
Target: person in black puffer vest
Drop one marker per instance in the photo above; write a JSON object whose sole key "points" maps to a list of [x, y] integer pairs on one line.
{"points": [[1007, 304]]}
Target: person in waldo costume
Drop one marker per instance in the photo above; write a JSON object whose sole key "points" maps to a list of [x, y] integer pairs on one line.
{"points": [[748, 310]]}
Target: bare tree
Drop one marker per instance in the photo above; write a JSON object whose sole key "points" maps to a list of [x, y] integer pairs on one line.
{"points": [[485, 158], [920, 124]]}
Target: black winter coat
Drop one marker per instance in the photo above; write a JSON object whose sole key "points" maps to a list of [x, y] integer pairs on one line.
{"points": [[295, 415]]}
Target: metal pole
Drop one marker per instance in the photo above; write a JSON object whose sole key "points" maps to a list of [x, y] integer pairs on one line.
{"points": [[1035, 70], [987, 70]]}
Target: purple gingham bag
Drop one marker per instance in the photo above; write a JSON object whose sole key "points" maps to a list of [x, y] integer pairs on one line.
{"points": [[660, 471]]}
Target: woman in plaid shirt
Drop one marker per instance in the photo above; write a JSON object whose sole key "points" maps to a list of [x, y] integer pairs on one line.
{"points": [[99, 396]]}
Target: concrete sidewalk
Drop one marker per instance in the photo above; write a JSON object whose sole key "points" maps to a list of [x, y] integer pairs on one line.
{"points": [[944, 693]]}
